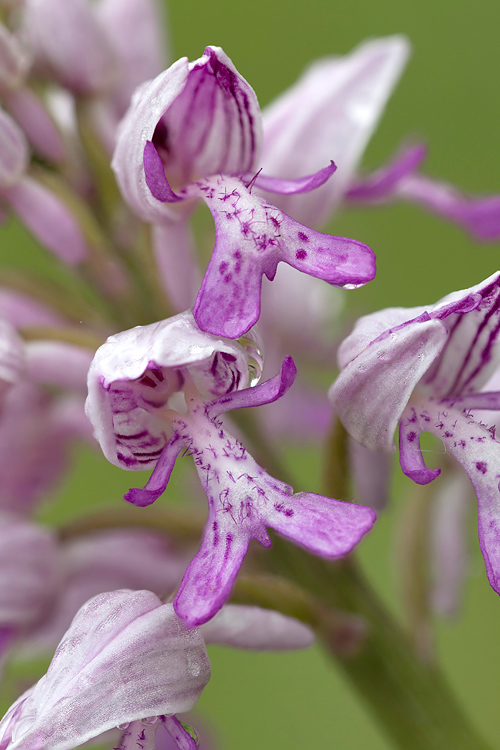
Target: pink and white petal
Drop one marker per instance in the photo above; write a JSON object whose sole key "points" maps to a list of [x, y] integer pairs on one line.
{"points": [[449, 553], [48, 219], [58, 363], [476, 449], [255, 628], [330, 113], [175, 256], [40, 128], [478, 215], [372, 391], [251, 238], [21, 311], [148, 104], [126, 656], [81, 58], [370, 328], [209, 578], [135, 29], [326, 527]]}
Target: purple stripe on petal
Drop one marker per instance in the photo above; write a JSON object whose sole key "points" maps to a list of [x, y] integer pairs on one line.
{"points": [[488, 400], [472, 320]]}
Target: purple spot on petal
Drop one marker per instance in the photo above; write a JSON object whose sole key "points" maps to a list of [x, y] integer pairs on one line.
{"points": [[303, 237], [289, 512], [411, 436], [301, 254], [482, 467], [448, 434], [215, 527], [223, 267], [227, 279]]}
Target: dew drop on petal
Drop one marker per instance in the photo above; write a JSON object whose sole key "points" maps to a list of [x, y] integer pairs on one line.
{"points": [[148, 720], [123, 726], [254, 348], [349, 286]]}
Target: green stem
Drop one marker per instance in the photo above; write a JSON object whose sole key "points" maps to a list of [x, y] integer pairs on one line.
{"points": [[411, 700]]}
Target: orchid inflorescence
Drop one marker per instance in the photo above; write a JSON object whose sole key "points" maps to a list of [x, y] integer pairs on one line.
{"points": [[105, 157]]}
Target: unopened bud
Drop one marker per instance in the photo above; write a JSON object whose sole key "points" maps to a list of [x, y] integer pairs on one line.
{"points": [[69, 44]]}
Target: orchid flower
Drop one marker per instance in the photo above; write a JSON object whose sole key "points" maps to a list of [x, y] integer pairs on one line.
{"points": [[425, 369], [157, 390], [195, 132], [128, 661]]}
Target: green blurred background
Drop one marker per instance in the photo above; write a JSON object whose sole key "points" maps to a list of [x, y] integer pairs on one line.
{"points": [[449, 98]]}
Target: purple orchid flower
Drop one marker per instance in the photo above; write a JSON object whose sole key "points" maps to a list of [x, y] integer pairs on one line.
{"points": [[425, 369], [158, 390], [129, 661], [195, 132]]}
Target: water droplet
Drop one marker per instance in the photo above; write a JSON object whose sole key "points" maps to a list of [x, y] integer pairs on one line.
{"points": [[349, 286], [148, 720], [254, 349], [123, 726]]}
